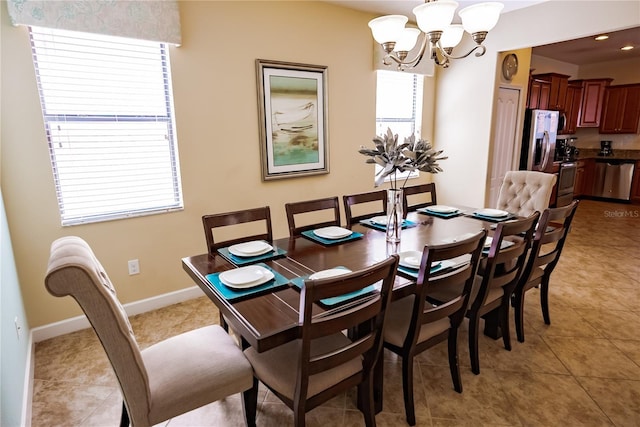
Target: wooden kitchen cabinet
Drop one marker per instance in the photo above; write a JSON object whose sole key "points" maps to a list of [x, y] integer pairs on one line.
{"points": [[578, 185], [584, 178], [571, 108], [591, 103], [621, 109], [548, 91]]}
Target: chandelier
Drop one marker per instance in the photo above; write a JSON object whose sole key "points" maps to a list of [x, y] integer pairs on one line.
{"points": [[438, 33]]}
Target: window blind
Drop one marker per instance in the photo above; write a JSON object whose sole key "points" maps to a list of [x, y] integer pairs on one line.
{"points": [[108, 114]]}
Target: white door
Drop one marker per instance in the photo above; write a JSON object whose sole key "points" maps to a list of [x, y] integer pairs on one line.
{"points": [[506, 140]]}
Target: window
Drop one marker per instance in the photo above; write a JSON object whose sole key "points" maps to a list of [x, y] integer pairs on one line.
{"points": [[108, 115], [399, 105]]}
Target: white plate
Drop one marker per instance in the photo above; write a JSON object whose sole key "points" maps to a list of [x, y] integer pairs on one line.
{"points": [[504, 244], [332, 272], [380, 220], [492, 213], [247, 249], [441, 209], [332, 232], [412, 259], [246, 277]]}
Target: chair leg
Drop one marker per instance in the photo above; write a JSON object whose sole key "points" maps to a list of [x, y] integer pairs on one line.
{"points": [[298, 413], [365, 396], [223, 323], [250, 404], [544, 299], [518, 308], [407, 388], [454, 366], [474, 323], [504, 324], [124, 418]]}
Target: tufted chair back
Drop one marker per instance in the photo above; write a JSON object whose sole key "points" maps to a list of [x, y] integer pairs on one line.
{"points": [[524, 192]]}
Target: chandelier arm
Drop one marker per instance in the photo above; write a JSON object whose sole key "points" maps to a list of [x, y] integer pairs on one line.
{"points": [[481, 49], [410, 62]]}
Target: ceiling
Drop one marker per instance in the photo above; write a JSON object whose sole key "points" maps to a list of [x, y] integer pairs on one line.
{"points": [[579, 51]]}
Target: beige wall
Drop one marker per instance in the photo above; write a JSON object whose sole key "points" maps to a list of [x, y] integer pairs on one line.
{"points": [[214, 81], [465, 91]]}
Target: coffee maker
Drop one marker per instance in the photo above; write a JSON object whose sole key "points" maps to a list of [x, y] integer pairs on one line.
{"points": [[605, 148]]}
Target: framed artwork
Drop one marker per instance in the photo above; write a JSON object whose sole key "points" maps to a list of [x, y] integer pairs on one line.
{"points": [[292, 108]]}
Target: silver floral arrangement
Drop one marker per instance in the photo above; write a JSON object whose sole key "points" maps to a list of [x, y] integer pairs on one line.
{"points": [[406, 157]]}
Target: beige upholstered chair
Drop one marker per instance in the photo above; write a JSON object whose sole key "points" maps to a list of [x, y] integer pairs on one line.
{"points": [[323, 362], [166, 379], [525, 192]]}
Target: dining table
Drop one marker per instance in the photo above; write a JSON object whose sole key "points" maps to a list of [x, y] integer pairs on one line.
{"points": [[267, 319]]}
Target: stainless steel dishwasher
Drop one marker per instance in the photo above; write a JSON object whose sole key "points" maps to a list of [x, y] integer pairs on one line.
{"points": [[613, 178]]}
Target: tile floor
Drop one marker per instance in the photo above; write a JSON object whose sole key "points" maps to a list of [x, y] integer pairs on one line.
{"points": [[584, 369]]}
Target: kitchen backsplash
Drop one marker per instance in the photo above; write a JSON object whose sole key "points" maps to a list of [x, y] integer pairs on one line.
{"points": [[589, 138]]}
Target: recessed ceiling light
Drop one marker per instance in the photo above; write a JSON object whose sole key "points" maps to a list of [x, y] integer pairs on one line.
{"points": [[628, 47], [602, 37]]}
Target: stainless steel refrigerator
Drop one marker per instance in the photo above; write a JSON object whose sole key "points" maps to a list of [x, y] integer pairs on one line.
{"points": [[539, 140]]}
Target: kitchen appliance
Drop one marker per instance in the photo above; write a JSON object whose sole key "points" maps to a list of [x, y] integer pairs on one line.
{"points": [[605, 149], [565, 184], [566, 150], [539, 140], [613, 178]]}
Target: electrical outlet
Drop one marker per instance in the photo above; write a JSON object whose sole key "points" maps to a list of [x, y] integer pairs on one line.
{"points": [[134, 267], [18, 327]]}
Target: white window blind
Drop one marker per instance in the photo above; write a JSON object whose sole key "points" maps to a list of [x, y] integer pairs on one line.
{"points": [[108, 112], [399, 105]]}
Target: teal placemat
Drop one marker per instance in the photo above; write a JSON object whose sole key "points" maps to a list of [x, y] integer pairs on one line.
{"points": [[405, 224], [279, 281], [439, 214], [329, 302], [413, 272], [309, 234], [240, 260], [491, 218]]}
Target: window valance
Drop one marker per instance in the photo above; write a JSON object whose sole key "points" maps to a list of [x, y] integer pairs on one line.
{"points": [[153, 20]]}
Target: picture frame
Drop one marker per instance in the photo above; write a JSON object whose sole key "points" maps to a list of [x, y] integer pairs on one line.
{"points": [[292, 110]]}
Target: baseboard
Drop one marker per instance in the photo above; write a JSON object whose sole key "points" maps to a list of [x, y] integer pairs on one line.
{"points": [[66, 326]]}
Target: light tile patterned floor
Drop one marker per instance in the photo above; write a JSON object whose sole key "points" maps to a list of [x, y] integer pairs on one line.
{"points": [[584, 369]]}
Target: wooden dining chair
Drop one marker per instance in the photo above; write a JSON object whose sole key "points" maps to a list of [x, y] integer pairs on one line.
{"points": [[262, 231], [323, 362], [551, 233], [375, 201], [419, 191], [414, 326], [497, 277], [312, 207], [162, 381]]}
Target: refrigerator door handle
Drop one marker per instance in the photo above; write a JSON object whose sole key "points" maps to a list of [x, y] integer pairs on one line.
{"points": [[546, 146]]}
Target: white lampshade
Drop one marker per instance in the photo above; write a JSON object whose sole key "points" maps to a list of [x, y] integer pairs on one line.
{"points": [[435, 16], [480, 17], [387, 28], [407, 39], [451, 36]]}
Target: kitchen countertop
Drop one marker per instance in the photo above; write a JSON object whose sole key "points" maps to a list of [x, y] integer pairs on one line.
{"points": [[586, 153]]}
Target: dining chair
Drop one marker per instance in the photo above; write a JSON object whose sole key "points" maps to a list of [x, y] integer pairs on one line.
{"points": [[497, 277], [308, 208], [414, 326], [262, 231], [167, 379], [375, 201], [525, 192], [548, 241], [415, 190], [323, 362]]}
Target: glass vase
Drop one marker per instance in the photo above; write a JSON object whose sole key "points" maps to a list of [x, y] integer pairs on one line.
{"points": [[394, 214]]}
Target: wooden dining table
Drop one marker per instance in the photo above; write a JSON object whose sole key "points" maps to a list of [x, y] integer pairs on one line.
{"points": [[265, 321]]}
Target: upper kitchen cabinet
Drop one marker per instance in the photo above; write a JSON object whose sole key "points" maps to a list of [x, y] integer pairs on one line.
{"points": [[548, 91], [572, 108], [621, 109], [591, 104]]}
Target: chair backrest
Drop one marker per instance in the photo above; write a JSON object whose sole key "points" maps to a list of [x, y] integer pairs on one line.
{"points": [[377, 198], [74, 270], [461, 278], [524, 192], [426, 189], [367, 317], [300, 208], [558, 221], [504, 266], [234, 218]]}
